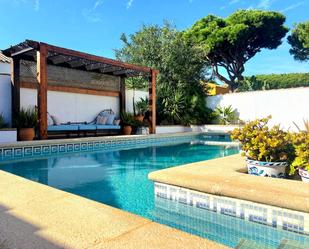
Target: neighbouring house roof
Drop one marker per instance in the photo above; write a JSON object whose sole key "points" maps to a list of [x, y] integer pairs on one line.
{"points": [[57, 56], [4, 59]]}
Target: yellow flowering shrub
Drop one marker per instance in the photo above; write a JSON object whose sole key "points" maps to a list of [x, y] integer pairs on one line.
{"points": [[261, 143], [301, 144]]}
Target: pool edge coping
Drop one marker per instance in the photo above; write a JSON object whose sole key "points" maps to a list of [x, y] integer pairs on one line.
{"points": [[226, 177], [19, 209]]}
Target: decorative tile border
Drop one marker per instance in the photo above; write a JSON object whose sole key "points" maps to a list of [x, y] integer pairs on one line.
{"points": [[53, 147], [276, 217]]}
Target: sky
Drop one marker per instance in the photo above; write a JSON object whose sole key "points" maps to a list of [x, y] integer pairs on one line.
{"points": [[95, 26]]}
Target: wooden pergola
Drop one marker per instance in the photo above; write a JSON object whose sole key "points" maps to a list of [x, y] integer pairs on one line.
{"points": [[44, 55]]}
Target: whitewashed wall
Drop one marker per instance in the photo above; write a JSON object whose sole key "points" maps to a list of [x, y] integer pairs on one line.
{"points": [[285, 105], [67, 107], [5, 91], [129, 98], [71, 107]]}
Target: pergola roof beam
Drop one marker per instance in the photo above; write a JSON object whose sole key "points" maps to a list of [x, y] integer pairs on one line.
{"points": [[23, 51]]}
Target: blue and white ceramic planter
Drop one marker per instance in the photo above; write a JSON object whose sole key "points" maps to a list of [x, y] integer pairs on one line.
{"points": [[304, 174], [268, 169]]}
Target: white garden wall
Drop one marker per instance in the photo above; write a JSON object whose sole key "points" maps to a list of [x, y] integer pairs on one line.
{"points": [[285, 105]]}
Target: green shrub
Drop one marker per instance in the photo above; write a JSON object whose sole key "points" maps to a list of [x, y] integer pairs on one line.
{"points": [[274, 81], [127, 118], [142, 105], [3, 124], [226, 115], [26, 118], [261, 143]]}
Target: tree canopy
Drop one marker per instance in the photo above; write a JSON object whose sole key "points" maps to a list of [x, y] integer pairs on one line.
{"points": [[180, 97], [230, 42], [299, 41]]}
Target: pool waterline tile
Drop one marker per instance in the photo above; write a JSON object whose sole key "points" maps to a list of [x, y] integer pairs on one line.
{"points": [[289, 220], [52, 147]]}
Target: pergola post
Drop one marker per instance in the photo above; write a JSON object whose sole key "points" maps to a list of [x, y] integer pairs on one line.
{"points": [[42, 90], [122, 95], [152, 100], [15, 78]]}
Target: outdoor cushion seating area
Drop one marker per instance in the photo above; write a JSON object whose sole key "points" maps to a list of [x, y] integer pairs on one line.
{"points": [[104, 123]]}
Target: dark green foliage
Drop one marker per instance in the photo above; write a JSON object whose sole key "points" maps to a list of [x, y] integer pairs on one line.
{"points": [[299, 41], [142, 105], [26, 118], [3, 124], [274, 81], [230, 42], [127, 118], [180, 96]]}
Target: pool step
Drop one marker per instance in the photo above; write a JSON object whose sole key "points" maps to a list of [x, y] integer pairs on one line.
{"points": [[249, 244], [288, 244]]}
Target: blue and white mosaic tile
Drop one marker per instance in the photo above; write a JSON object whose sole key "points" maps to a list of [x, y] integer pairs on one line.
{"points": [[280, 218], [36, 148]]}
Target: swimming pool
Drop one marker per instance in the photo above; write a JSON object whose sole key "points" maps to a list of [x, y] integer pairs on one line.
{"points": [[117, 176]]}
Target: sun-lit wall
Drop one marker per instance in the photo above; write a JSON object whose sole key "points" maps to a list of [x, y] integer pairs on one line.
{"points": [[285, 105]]}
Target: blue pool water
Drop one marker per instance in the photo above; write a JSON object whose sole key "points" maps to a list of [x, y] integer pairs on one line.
{"points": [[118, 177]]}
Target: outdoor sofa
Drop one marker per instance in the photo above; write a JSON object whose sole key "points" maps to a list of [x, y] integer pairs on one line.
{"points": [[84, 128]]}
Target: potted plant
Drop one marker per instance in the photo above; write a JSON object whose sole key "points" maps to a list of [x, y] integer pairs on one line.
{"points": [[127, 120], [301, 161], [141, 107], [26, 121], [268, 151]]}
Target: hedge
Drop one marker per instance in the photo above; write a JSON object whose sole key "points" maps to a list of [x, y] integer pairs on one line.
{"points": [[274, 81]]}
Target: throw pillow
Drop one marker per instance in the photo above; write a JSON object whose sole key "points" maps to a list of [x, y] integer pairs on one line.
{"points": [[101, 120], [55, 120], [50, 121], [110, 119], [116, 121]]}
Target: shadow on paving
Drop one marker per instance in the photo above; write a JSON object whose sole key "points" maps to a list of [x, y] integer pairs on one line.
{"points": [[16, 233]]}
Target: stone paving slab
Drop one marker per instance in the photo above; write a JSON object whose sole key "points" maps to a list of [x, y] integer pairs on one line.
{"points": [[35, 216]]}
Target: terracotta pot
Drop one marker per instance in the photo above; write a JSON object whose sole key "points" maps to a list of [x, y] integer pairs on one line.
{"points": [[139, 117], [127, 130], [26, 134]]}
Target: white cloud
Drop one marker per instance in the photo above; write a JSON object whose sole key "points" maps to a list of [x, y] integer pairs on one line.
{"points": [[292, 6], [264, 4], [234, 2], [231, 2], [129, 3], [92, 14], [37, 5], [97, 4]]}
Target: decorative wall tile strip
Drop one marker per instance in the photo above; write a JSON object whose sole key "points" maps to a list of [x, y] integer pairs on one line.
{"points": [[280, 218], [54, 147]]}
